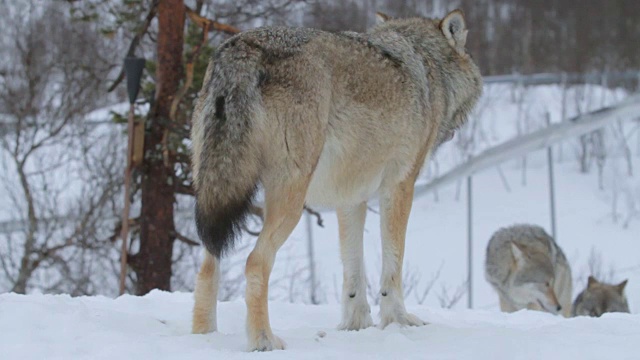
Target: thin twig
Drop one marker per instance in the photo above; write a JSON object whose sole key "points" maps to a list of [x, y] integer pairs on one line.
{"points": [[185, 239], [209, 24]]}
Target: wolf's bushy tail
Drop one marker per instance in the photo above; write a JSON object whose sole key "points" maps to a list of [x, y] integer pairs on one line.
{"points": [[226, 157]]}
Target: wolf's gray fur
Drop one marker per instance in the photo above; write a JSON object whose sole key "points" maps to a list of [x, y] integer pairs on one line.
{"points": [[599, 298], [329, 119], [528, 270]]}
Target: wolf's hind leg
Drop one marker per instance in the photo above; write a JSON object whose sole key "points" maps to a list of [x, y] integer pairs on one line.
{"points": [[356, 313], [206, 293], [395, 209], [283, 208]]}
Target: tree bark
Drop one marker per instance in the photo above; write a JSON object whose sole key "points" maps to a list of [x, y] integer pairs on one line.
{"points": [[152, 263]]}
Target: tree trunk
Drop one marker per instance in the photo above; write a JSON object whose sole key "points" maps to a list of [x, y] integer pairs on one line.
{"points": [[152, 263]]}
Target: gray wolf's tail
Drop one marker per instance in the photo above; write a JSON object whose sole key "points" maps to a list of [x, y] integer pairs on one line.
{"points": [[226, 158]]}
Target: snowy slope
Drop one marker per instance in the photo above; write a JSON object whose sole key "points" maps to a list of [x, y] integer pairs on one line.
{"points": [[156, 326]]}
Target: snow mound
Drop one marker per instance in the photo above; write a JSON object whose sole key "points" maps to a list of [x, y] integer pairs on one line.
{"points": [[157, 326]]}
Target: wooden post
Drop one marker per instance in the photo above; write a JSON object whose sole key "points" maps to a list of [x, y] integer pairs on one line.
{"points": [[133, 68]]}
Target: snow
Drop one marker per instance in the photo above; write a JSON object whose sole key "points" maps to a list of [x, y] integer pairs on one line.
{"points": [[157, 325]]}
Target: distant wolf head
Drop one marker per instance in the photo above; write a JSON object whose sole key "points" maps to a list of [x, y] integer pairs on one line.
{"points": [[533, 279], [599, 298]]}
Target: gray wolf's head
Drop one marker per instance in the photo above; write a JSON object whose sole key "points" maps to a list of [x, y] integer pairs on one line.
{"points": [[599, 298], [532, 279], [441, 42]]}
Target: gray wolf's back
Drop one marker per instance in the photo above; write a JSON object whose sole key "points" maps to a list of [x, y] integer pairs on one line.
{"points": [[499, 254]]}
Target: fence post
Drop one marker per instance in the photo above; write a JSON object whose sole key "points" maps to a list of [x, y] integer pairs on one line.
{"points": [[564, 111], [638, 140], [552, 193], [469, 244], [638, 89], [604, 83], [312, 266]]}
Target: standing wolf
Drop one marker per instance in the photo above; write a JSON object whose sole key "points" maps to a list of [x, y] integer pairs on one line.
{"points": [[599, 298], [528, 270], [328, 119]]}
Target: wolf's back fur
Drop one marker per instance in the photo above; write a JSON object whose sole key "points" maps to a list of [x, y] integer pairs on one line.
{"points": [[396, 78], [540, 245]]}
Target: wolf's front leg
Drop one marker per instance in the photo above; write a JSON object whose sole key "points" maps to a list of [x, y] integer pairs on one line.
{"points": [[395, 209], [356, 313]]}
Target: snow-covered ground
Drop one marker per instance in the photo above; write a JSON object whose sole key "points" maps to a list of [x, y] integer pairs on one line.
{"points": [[156, 327]]}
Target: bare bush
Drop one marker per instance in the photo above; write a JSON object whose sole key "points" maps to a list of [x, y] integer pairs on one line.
{"points": [[448, 299], [595, 267], [421, 296], [61, 173]]}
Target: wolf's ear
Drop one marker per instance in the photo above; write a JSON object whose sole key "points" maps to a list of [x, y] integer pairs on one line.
{"points": [[620, 287], [517, 252], [382, 17], [591, 281], [455, 30]]}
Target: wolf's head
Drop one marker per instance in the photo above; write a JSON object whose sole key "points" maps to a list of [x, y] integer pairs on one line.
{"points": [[599, 298], [532, 279], [451, 69]]}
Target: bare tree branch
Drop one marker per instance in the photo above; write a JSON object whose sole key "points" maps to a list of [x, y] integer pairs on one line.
{"points": [[186, 240], [210, 25]]}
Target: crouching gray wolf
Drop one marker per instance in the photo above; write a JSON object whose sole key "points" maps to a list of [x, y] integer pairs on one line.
{"points": [[528, 270], [599, 298], [328, 119]]}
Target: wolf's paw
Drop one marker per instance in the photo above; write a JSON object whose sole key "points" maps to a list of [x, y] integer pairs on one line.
{"points": [[266, 342], [401, 317], [356, 317]]}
